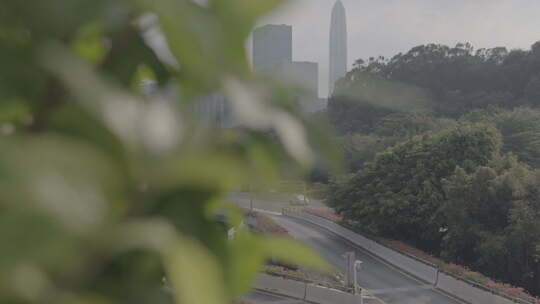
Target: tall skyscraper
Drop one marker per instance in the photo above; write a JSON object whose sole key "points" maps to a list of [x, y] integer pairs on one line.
{"points": [[338, 45], [272, 48]]}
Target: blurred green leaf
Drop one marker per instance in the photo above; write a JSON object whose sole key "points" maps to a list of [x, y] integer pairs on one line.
{"points": [[84, 298], [90, 43], [123, 66], [199, 168], [155, 234], [55, 18], [143, 76], [248, 252], [43, 239], [15, 111], [192, 36], [74, 121], [233, 214], [106, 188], [39, 174], [246, 256], [195, 275], [292, 252], [237, 19]]}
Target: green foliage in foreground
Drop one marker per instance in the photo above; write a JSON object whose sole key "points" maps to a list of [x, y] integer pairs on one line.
{"points": [[104, 191]]}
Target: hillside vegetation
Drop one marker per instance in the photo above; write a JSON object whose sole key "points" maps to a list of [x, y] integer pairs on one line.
{"points": [[443, 149]]}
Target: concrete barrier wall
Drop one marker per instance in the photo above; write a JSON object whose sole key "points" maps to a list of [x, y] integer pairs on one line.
{"points": [[303, 291], [455, 287], [468, 292], [289, 288], [417, 268], [322, 295]]}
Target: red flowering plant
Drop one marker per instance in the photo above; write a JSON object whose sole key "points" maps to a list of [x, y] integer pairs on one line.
{"points": [[267, 225]]}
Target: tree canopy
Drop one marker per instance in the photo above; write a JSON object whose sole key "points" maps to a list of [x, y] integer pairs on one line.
{"points": [[404, 183], [453, 80], [492, 221], [443, 146]]}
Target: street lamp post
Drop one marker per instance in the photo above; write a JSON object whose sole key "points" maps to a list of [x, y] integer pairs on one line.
{"points": [[250, 198], [306, 201]]}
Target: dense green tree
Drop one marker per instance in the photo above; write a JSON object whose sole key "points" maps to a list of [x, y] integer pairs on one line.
{"points": [[520, 128], [404, 125], [361, 148], [492, 221], [349, 115], [363, 99], [399, 194]]}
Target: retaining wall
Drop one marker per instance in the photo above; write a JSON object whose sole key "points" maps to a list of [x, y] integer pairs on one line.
{"points": [[289, 288], [303, 291], [322, 295], [467, 292], [424, 271]]}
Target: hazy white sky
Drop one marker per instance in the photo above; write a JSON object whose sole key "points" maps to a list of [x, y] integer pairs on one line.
{"points": [[387, 27]]}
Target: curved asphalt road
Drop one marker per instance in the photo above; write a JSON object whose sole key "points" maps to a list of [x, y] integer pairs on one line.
{"points": [[265, 298], [383, 281]]}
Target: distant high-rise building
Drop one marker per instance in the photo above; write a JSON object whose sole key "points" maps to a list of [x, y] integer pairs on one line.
{"points": [[272, 48], [338, 45], [272, 56], [304, 74], [213, 110]]}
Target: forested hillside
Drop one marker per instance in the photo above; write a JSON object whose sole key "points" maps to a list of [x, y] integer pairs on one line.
{"points": [[443, 150]]}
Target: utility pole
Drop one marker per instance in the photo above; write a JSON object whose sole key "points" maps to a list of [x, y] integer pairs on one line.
{"points": [[250, 198], [357, 267], [305, 193], [349, 270]]}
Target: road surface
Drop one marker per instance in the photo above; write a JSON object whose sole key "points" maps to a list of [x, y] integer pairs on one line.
{"points": [[259, 297], [269, 202], [383, 281]]}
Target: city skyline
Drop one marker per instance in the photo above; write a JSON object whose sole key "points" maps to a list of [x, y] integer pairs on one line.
{"points": [[390, 27], [271, 48]]}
